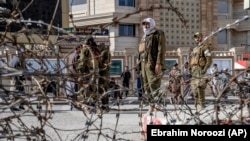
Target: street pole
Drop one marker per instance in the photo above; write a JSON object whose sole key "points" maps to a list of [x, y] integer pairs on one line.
{"points": [[57, 70]]}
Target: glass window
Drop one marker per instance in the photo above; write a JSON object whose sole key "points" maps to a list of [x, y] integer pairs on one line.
{"points": [[170, 64], [222, 37], [51, 65], [33, 65], [99, 32], [222, 63], [126, 30], [223, 7], [116, 67], [48, 64], [130, 3], [77, 2], [3, 62]]}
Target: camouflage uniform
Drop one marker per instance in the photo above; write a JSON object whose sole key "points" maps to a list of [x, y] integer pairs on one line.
{"points": [[152, 50], [104, 74], [200, 61], [94, 66]]}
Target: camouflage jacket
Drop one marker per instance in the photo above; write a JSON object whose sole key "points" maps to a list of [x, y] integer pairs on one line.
{"points": [[155, 48], [93, 58]]}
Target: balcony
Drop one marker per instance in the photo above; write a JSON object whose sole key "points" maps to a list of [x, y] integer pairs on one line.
{"points": [[243, 26]]}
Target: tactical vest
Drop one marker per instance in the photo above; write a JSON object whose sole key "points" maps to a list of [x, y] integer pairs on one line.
{"points": [[142, 46], [198, 57]]}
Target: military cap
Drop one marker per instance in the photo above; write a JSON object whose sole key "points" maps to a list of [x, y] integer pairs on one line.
{"points": [[197, 34]]}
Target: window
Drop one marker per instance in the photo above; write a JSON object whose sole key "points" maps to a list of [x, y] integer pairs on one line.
{"points": [[223, 7], [126, 30], [48, 64], [3, 62], [77, 2], [222, 37], [69, 30], [99, 32], [130, 3], [53, 66], [33, 65], [116, 67], [170, 64], [222, 63]]}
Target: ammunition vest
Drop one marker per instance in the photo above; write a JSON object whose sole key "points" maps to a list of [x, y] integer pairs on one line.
{"points": [[141, 47], [197, 57]]}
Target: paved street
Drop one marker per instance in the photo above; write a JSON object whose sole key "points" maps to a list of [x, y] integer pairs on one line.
{"points": [[122, 122]]}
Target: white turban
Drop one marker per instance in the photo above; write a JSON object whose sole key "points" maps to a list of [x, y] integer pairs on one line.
{"points": [[151, 23]]}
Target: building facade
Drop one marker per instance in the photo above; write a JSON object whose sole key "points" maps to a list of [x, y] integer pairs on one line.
{"points": [[238, 35], [123, 23], [120, 20]]}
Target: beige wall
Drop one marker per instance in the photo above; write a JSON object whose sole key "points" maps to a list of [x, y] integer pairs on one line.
{"points": [[101, 6], [126, 42], [65, 13]]}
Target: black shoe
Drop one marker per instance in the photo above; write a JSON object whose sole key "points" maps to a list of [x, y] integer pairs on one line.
{"points": [[105, 109], [14, 109], [21, 107]]}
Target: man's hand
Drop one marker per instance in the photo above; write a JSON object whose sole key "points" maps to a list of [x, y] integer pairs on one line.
{"points": [[203, 71], [158, 68]]}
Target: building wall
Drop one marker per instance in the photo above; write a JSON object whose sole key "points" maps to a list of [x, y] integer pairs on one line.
{"points": [[65, 14], [208, 19], [101, 6], [198, 13], [102, 12], [238, 34], [202, 15]]}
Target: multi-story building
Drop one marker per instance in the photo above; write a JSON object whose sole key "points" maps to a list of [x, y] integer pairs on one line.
{"points": [[201, 15], [198, 14], [123, 34], [205, 16], [236, 36]]}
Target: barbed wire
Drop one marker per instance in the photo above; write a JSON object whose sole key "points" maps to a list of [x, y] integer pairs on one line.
{"points": [[18, 125], [228, 26]]}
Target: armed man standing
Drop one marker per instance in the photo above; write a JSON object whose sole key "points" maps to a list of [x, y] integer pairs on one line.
{"points": [[152, 50], [200, 61], [94, 66]]}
